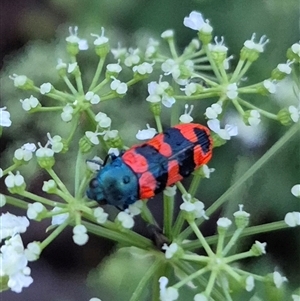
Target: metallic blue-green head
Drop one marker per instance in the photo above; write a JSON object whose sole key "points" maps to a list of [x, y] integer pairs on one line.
{"points": [[115, 184]]}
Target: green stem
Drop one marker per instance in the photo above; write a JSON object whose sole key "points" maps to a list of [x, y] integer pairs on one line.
{"points": [[97, 73], [54, 234], [78, 172], [195, 183], [239, 256], [232, 241], [58, 181], [142, 285], [201, 238], [279, 225], [262, 112], [129, 238], [168, 215], [172, 48], [158, 123], [16, 202], [212, 63], [70, 85], [237, 71], [147, 214], [38, 198]]}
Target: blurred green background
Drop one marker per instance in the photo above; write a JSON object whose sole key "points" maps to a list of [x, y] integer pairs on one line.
{"points": [[32, 38]]}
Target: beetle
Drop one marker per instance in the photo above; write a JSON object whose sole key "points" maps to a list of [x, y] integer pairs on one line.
{"points": [[147, 169]]}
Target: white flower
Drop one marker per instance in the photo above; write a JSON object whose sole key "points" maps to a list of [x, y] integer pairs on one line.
{"points": [[1, 172], [146, 134], [179, 71], [224, 222], [196, 207], [29, 103], [125, 219], [4, 118], [135, 208], [144, 68], [170, 250], [13, 265], [92, 97], [168, 101], [12, 225], [296, 297], [103, 120], [296, 48], [157, 93], [114, 151], [296, 190], [232, 91], [226, 133], [213, 111], [250, 136], [35, 210], [189, 89], [170, 191], [110, 135], [56, 142], [100, 40], [93, 137], [114, 68], [259, 47], [285, 68], [195, 21], [32, 251], [241, 213], [118, 86], [270, 86], [151, 48], [260, 247], [80, 236], [73, 39], [200, 297], [226, 62], [254, 118], [167, 293], [14, 180], [60, 65], [100, 215], [19, 80], [49, 186], [167, 34], [119, 52], [207, 171], [72, 67], [44, 151], [295, 113], [186, 117], [95, 299], [45, 88], [249, 283], [278, 279], [25, 152], [292, 219], [219, 46], [59, 218], [66, 115], [132, 57]]}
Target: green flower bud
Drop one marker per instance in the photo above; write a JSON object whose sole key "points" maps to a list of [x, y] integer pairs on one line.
{"points": [[85, 145], [284, 117], [217, 140], [155, 108]]}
